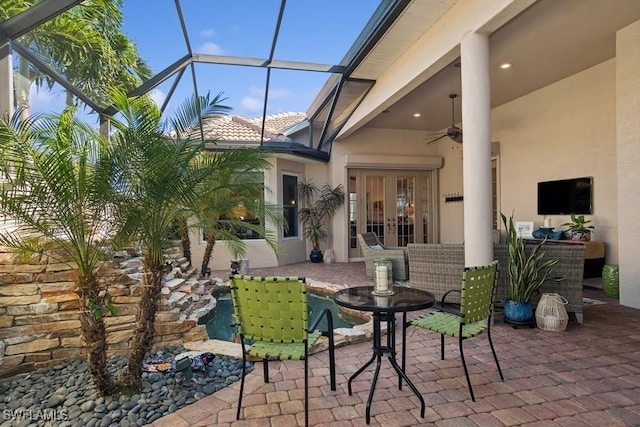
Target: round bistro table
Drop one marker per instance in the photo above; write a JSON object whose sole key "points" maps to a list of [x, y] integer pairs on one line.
{"points": [[384, 309]]}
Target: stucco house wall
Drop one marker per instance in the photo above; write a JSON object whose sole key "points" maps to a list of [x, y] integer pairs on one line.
{"points": [[564, 130], [584, 125], [628, 148]]}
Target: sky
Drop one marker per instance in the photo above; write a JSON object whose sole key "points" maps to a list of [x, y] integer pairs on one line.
{"points": [[316, 31]]}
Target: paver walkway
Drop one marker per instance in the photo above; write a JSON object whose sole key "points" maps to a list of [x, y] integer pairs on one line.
{"points": [[588, 375]]}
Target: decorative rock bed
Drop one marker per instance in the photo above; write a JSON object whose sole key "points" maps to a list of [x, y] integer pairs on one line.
{"points": [[64, 395]]}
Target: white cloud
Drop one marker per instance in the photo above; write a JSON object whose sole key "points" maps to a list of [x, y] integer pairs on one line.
{"points": [[157, 96], [210, 48], [274, 93], [252, 104], [256, 91], [207, 33], [280, 94]]}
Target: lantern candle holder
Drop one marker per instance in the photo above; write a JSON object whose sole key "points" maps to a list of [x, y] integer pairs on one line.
{"points": [[383, 277]]}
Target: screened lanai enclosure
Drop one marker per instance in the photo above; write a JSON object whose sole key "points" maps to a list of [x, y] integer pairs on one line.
{"points": [[265, 57]]}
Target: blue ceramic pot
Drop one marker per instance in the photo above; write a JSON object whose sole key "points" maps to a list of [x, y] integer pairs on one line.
{"points": [[316, 256], [518, 311]]}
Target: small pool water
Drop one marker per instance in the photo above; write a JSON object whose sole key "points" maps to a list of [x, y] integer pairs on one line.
{"points": [[219, 326]]}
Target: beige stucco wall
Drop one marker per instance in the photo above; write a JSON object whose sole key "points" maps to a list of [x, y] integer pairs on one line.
{"points": [[628, 159], [438, 46], [564, 130], [376, 148], [561, 131], [257, 251]]}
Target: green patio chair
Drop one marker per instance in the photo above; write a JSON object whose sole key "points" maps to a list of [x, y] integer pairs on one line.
{"points": [[471, 319], [272, 320]]}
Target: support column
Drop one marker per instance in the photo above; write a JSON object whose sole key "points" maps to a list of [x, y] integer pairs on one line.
{"points": [[628, 154], [476, 163], [6, 81]]}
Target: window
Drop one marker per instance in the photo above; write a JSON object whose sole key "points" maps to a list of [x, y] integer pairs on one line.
{"points": [[290, 204], [244, 216], [250, 212]]}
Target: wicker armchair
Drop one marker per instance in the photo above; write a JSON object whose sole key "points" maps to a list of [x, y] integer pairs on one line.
{"points": [[436, 268], [372, 248]]}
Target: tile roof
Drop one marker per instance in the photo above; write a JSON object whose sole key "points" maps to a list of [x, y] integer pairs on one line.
{"points": [[242, 129]]}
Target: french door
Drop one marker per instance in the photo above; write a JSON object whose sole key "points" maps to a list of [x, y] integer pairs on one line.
{"points": [[396, 205]]}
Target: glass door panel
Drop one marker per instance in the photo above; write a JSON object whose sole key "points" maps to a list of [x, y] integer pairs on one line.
{"points": [[405, 211], [375, 206], [396, 205]]}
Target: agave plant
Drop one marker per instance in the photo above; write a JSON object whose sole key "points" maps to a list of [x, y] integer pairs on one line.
{"points": [[527, 269]]}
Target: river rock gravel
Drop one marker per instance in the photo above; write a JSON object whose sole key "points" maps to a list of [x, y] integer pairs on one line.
{"points": [[65, 396]]}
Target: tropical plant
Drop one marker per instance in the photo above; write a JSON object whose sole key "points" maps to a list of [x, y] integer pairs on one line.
{"points": [[56, 193], [236, 192], [527, 270], [181, 230], [85, 44], [317, 206], [161, 168], [578, 227]]}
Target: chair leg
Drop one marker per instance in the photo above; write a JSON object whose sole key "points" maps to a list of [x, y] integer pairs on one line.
{"points": [[244, 362], [404, 344], [265, 370], [441, 346], [332, 363], [495, 356], [466, 371], [306, 386]]}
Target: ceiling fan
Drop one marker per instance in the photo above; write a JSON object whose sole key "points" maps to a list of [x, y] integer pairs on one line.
{"points": [[453, 132]]}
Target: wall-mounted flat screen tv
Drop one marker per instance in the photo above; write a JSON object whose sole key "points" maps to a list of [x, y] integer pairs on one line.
{"points": [[565, 196]]}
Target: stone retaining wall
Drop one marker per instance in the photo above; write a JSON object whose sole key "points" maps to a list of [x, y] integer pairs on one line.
{"points": [[39, 323]]}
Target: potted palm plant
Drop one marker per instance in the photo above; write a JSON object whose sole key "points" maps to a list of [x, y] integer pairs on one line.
{"points": [[318, 206], [527, 272], [578, 229]]}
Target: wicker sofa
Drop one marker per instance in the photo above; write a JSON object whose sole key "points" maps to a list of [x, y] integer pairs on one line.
{"points": [[438, 268], [372, 248]]}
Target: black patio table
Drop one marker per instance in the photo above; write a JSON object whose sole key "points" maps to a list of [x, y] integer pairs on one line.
{"points": [[384, 308]]}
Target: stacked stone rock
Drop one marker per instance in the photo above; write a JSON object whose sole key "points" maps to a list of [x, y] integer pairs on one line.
{"points": [[39, 324]]}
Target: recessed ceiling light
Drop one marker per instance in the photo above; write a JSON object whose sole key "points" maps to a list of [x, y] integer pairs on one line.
{"points": [[416, 114], [505, 65]]}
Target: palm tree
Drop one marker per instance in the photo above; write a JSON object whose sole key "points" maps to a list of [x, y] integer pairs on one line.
{"points": [[318, 205], [182, 228], [161, 169], [237, 185], [85, 44], [55, 189]]}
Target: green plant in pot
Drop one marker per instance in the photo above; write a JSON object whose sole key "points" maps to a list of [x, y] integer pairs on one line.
{"points": [[578, 229], [527, 271], [318, 205]]}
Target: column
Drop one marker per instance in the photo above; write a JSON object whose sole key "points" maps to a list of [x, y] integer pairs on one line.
{"points": [[6, 81], [628, 154], [476, 163]]}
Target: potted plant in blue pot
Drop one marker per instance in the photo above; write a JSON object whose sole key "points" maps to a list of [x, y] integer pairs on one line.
{"points": [[527, 272], [318, 206]]}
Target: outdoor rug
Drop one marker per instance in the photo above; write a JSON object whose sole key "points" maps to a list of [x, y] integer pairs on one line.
{"points": [[591, 301]]}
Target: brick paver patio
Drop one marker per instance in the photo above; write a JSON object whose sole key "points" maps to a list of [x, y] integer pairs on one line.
{"points": [[588, 375]]}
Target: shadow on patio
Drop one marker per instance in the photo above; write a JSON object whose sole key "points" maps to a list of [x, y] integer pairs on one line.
{"points": [[587, 375]]}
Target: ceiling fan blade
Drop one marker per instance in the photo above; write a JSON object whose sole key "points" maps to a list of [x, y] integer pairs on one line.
{"points": [[436, 139]]}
